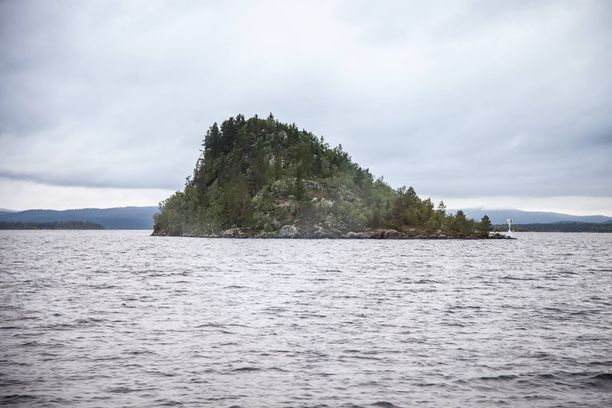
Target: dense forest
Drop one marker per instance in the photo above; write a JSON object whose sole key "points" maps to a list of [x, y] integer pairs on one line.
{"points": [[261, 177], [54, 225]]}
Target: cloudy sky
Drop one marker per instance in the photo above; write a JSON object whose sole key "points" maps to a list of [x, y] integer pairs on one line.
{"points": [[483, 104]]}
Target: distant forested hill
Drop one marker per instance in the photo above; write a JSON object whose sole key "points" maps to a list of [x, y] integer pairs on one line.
{"points": [[109, 218], [532, 217], [560, 227], [55, 225], [261, 177]]}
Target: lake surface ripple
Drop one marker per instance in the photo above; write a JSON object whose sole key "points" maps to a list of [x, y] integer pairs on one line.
{"points": [[118, 318]]}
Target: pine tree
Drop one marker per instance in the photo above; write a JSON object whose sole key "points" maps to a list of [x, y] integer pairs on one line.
{"points": [[485, 226]]}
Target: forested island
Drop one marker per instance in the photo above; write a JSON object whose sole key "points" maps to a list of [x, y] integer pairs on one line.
{"points": [[262, 178], [55, 225]]}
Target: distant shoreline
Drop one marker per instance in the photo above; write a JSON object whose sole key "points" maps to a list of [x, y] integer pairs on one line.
{"points": [[54, 225], [605, 227]]}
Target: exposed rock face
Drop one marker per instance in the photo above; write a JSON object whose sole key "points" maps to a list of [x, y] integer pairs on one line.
{"points": [[288, 231], [320, 232], [231, 233]]}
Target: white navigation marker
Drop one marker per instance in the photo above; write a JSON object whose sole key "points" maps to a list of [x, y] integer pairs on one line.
{"points": [[509, 221]]}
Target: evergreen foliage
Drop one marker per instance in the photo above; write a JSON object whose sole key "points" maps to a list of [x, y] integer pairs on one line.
{"points": [[257, 175]]}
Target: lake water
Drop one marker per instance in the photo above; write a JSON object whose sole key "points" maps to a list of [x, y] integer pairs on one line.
{"points": [[118, 318]]}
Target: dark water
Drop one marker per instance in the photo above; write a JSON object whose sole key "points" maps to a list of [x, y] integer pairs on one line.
{"points": [[114, 318]]}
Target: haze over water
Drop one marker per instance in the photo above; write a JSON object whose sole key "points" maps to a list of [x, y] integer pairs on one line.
{"points": [[118, 318]]}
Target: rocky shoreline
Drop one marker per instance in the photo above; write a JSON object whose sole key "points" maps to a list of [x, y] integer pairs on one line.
{"points": [[292, 232]]}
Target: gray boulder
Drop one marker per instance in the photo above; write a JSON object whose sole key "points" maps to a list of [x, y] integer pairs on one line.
{"points": [[275, 223], [231, 233], [392, 234], [288, 231]]}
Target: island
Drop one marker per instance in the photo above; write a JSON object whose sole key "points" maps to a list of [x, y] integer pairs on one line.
{"points": [[260, 178]]}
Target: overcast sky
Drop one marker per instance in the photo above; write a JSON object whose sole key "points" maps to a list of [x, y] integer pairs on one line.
{"points": [[481, 103]]}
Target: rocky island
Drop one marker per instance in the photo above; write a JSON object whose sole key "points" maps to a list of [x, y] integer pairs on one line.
{"points": [[260, 178]]}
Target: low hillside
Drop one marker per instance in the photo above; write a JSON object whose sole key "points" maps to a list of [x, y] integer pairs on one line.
{"points": [[532, 217], [109, 218], [55, 225]]}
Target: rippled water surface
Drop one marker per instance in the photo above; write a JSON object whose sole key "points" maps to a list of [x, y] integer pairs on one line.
{"points": [[118, 318]]}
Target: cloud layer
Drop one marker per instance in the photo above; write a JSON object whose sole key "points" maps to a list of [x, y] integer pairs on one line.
{"points": [[459, 99]]}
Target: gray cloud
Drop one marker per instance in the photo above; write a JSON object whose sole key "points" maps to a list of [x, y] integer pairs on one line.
{"points": [[459, 99]]}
